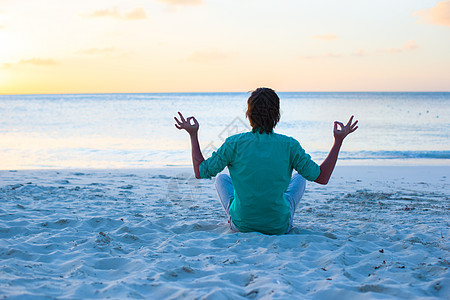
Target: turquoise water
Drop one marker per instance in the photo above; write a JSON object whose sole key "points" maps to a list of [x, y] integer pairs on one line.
{"points": [[137, 131]]}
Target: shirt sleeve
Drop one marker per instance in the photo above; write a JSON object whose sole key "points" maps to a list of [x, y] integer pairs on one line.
{"points": [[302, 162], [217, 162]]}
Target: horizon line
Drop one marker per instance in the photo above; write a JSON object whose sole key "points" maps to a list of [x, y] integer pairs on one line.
{"points": [[116, 93]]}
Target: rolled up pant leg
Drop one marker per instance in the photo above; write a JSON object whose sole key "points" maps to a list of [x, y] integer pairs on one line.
{"points": [[225, 190], [294, 194]]}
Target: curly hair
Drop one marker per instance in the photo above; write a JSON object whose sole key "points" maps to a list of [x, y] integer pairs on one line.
{"points": [[263, 110]]}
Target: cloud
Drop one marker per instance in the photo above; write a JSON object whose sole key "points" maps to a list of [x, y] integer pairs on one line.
{"points": [[5, 66], [105, 13], [324, 37], [182, 2], [136, 14], [309, 57], [360, 52], [207, 56], [326, 55], [35, 61], [392, 50], [38, 61], [408, 46], [437, 15], [334, 55], [92, 51]]}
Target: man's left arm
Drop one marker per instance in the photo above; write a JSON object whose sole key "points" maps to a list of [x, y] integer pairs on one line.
{"points": [[327, 166]]}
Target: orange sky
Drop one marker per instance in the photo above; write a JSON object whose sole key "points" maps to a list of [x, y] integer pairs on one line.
{"points": [[113, 46]]}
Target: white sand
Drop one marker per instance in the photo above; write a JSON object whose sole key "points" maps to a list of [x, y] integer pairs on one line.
{"points": [[373, 232]]}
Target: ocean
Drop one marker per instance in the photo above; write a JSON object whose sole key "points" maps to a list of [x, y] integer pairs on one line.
{"points": [[111, 131]]}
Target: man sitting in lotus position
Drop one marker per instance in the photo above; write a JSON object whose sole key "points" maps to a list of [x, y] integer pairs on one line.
{"points": [[261, 194]]}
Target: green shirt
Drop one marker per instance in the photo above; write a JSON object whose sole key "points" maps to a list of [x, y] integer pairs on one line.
{"points": [[260, 166]]}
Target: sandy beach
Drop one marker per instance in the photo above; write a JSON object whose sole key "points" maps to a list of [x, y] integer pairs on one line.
{"points": [[373, 232]]}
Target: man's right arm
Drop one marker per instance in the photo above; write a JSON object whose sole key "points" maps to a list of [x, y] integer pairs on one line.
{"points": [[192, 129], [327, 166]]}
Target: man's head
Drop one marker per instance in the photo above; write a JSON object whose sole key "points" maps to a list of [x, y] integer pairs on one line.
{"points": [[263, 110]]}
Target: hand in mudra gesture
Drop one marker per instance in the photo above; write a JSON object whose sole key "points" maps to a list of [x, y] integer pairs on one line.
{"points": [[340, 131], [186, 124]]}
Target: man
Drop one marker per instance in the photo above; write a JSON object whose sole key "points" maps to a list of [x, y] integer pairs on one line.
{"points": [[261, 194]]}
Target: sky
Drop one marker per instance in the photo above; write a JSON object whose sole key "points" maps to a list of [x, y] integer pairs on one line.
{"points": [[112, 46]]}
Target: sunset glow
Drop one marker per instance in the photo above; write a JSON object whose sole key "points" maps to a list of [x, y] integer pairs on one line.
{"points": [[223, 46]]}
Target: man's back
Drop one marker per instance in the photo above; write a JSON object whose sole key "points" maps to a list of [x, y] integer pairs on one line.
{"points": [[260, 166]]}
